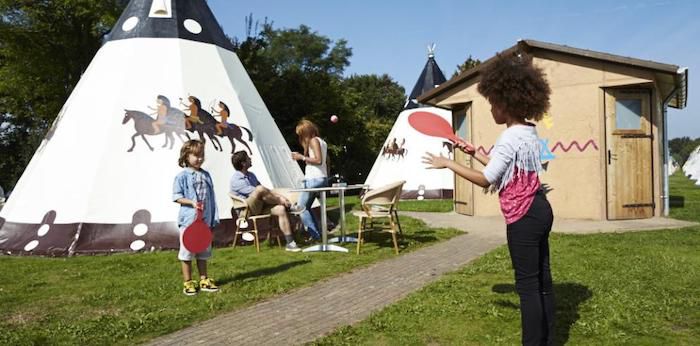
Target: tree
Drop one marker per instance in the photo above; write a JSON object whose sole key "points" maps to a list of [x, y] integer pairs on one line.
{"points": [[377, 101], [466, 65], [44, 48], [296, 71], [299, 74], [681, 148]]}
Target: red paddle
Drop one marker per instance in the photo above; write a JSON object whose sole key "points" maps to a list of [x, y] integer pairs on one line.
{"points": [[431, 124], [197, 236]]}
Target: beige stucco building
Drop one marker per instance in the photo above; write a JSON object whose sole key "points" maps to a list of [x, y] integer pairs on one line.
{"points": [[604, 137]]}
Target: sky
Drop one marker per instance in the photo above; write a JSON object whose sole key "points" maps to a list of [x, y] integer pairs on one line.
{"points": [[391, 37]]}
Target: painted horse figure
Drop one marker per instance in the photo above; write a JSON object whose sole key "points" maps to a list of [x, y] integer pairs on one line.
{"points": [[449, 147], [394, 150], [234, 132], [143, 124], [208, 127]]}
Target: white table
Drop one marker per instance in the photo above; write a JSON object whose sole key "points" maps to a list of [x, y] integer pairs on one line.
{"points": [[324, 246]]}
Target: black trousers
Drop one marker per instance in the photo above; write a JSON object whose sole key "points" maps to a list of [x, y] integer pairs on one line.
{"points": [[528, 244]]}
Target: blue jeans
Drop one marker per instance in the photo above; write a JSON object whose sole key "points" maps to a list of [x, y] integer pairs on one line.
{"points": [[307, 199]]}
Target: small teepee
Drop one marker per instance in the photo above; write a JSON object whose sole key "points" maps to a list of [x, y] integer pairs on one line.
{"points": [[101, 181], [400, 157], [691, 168], [672, 166]]}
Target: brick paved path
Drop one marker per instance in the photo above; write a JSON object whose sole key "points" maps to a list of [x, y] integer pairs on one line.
{"points": [[309, 313]]}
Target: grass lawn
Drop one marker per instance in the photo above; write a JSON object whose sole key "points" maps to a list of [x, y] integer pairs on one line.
{"points": [[129, 298], [685, 197], [429, 205], [637, 288]]}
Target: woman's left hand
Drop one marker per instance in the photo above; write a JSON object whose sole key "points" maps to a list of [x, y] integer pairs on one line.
{"points": [[296, 156], [435, 161]]}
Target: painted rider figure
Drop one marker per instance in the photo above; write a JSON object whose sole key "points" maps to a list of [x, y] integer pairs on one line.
{"points": [[161, 112], [193, 107], [224, 113]]}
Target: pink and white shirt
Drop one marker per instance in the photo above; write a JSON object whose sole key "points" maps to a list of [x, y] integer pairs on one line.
{"points": [[513, 170]]}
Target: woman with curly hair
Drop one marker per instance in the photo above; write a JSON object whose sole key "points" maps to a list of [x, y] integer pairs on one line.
{"points": [[517, 92]]}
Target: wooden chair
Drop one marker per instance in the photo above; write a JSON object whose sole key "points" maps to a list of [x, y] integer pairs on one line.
{"points": [[380, 203], [243, 210]]}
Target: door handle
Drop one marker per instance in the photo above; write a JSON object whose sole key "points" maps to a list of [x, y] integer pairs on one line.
{"points": [[609, 156]]}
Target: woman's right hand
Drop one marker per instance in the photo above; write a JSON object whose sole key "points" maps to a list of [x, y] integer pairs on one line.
{"points": [[466, 147], [296, 156]]}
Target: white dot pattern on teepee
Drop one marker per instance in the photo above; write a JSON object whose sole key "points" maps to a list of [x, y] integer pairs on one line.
{"points": [[43, 230], [31, 245], [130, 23], [140, 223], [192, 26], [137, 245], [140, 230]]}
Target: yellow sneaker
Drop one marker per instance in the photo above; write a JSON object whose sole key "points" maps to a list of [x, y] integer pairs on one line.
{"points": [[208, 285], [190, 288]]}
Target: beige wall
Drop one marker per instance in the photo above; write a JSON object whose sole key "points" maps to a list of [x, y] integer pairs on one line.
{"points": [[577, 178]]}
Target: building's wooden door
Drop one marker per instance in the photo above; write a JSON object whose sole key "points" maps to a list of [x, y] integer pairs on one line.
{"points": [[464, 189], [629, 154]]}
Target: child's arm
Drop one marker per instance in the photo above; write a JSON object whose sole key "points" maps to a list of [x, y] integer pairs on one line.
{"points": [[185, 201], [481, 158], [179, 193], [465, 172], [469, 149]]}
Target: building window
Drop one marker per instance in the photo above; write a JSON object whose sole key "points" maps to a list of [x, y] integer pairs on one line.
{"points": [[628, 114]]}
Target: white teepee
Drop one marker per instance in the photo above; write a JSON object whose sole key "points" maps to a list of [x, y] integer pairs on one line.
{"points": [[691, 168], [101, 181], [400, 157], [672, 166]]}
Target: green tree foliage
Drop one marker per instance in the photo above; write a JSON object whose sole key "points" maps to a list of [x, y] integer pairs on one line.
{"points": [[44, 48], [466, 65], [299, 74], [377, 100], [681, 148]]}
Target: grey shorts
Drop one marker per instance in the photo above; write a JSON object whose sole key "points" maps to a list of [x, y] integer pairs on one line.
{"points": [[185, 255]]}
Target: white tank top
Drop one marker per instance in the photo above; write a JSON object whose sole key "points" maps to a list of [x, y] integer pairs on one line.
{"points": [[317, 171]]}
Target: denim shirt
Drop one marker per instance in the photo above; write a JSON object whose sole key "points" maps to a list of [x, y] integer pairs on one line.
{"points": [[183, 187], [243, 184]]}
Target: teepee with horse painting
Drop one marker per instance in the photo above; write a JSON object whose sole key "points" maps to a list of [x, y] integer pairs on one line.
{"points": [[115, 196], [400, 157]]}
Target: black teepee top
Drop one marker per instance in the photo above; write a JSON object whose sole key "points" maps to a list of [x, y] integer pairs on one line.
{"points": [[430, 78], [185, 19]]}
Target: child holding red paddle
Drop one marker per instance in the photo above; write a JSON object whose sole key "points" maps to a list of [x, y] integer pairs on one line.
{"points": [[517, 92], [193, 189]]}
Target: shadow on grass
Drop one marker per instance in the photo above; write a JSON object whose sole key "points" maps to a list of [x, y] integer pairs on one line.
{"points": [[262, 272], [349, 205], [676, 201], [569, 296], [383, 239]]}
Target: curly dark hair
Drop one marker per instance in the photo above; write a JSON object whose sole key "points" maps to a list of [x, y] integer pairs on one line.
{"points": [[516, 85], [238, 159]]}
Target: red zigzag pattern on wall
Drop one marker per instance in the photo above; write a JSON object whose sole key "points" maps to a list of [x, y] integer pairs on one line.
{"points": [[484, 151], [575, 143], [558, 145]]}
